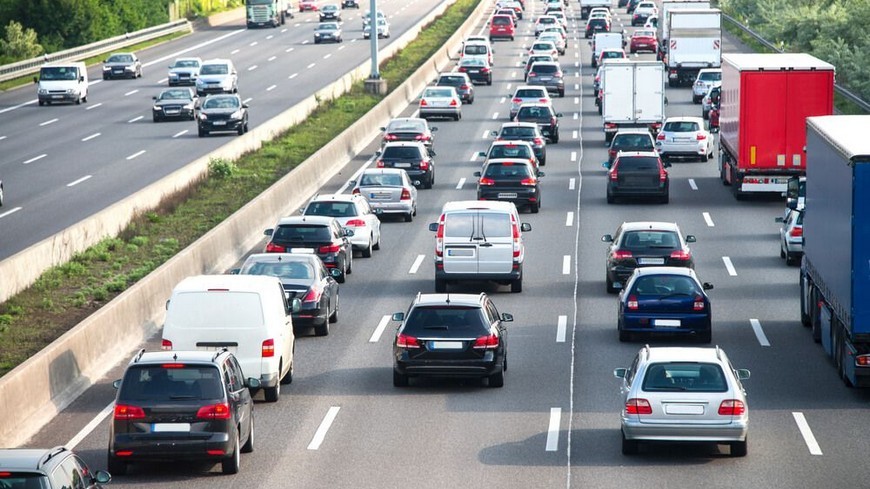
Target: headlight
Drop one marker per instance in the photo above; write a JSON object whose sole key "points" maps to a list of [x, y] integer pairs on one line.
{"points": [[157, 107], [173, 75], [128, 68], [107, 68], [202, 116], [236, 115], [42, 91], [316, 34], [70, 90], [189, 106]]}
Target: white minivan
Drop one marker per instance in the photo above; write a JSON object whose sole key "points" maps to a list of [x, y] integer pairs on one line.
{"points": [[62, 82], [479, 240], [248, 315]]}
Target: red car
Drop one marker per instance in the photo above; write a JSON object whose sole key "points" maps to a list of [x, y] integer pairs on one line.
{"points": [[501, 26], [307, 5], [644, 40], [714, 119]]}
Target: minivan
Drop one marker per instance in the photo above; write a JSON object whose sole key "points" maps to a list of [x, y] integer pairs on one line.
{"points": [[501, 26], [479, 240], [247, 314], [62, 82]]}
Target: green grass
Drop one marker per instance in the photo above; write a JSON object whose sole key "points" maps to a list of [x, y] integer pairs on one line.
{"points": [[65, 295]]}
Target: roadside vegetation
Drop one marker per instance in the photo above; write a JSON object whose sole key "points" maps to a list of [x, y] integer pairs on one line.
{"points": [[65, 295]]}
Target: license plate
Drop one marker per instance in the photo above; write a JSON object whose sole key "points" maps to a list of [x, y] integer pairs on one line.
{"points": [[379, 196], [650, 261], [57, 96], [402, 165], [220, 123], [682, 140], [170, 427], [445, 345], [667, 323], [684, 409], [507, 196], [460, 252], [171, 112], [545, 78]]}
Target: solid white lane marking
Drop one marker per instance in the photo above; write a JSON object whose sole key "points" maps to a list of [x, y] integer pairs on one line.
{"points": [[234, 51], [759, 333], [571, 183], [708, 219], [569, 218], [252, 68], [294, 75], [92, 424], [80, 180], [131, 92], [52, 121], [271, 58], [693, 184], [186, 50], [310, 66], [485, 134], [162, 81], [10, 211], [573, 156], [729, 266], [94, 106], [135, 119], [92, 136], [495, 116], [566, 264], [553, 429], [327, 55], [807, 433], [179, 134], [136, 155], [320, 434], [417, 263], [271, 87], [379, 330], [247, 100], [561, 329], [460, 184], [35, 158], [574, 134]]}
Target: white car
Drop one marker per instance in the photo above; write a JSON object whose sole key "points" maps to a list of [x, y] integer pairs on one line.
{"points": [[791, 237], [561, 18], [600, 10], [684, 137], [383, 29], [558, 29], [184, 71], [707, 78], [544, 47], [388, 190], [528, 94], [545, 21], [352, 211], [652, 22], [556, 39], [440, 102]]}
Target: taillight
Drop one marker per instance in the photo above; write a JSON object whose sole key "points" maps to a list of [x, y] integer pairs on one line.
{"points": [[542, 100], [424, 165], [126, 412], [268, 348], [454, 103], [632, 302], [273, 248], [488, 342], [732, 407], [621, 254], [421, 137], [463, 87], [484, 70], [701, 136], [532, 73], [463, 70], [609, 125], [515, 232], [660, 136], [517, 100], [439, 238], [166, 344], [391, 137], [405, 341], [862, 361], [313, 295], [680, 255], [698, 304], [486, 181], [356, 223], [220, 410], [530, 182], [538, 141], [614, 175], [380, 163], [796, 232], [355, 191], [423, 102], [612, 152], [406, 194], [637, 406], [333, 248]]}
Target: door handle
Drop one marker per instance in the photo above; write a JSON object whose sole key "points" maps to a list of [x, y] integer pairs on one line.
{"points": [[485, 245]]}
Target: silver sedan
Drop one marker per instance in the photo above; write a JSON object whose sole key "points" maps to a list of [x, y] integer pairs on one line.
{"points": [[389, 191]]}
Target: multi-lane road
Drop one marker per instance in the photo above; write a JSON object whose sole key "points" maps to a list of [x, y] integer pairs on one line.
{"points": [[555, 423]]}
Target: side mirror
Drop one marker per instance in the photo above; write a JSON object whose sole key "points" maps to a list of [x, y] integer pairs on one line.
{"points": [[378, 211], [481, 153], [607, 238], [82, 78], [167, 305], [742, 373], [433, 129], [541, 174], [382, 128], [102, 477], [234, 271], [690, 238], [433, 226], [558, 114], [154, 97], [707, 286], [620, 373], [302, 210], [35, 79], [715, 130], [378, 153], [431, 151], [666, 101], [268, 232], [347, 232], [117, 384], [244, 106], [398, 316], [477, 173], [252, 383], [493, 133], [335, 272], [525, 227], [351, 182], [606, 165], [507, 317], [295, 305]]}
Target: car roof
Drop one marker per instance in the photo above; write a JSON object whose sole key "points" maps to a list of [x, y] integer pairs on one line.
{"points": [[199, 283], [653, 225], [685, 118], [217, 61], [383, 171], [458, 205], [182, 356], [510, 142], [404, 144], [633, 131], [682, 271], [400, 120], [512, 161], [280, 257], [684, 354], [463, 300], [518, 124], [632, 154], [26, 459], [461, 74], [328, 23], [532, 87], [322, 220], [545, 63], [536, 104], [336, 197]]}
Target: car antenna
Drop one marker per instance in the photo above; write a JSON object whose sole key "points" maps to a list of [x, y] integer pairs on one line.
{"points": [[448, 298], [175, 357]]}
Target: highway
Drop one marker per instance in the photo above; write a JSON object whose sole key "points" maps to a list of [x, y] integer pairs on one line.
{"points": [[556, 421], [62, 163]]}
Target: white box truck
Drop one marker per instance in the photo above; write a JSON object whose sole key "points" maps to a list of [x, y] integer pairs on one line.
{"points": [[695, 42], [633, 95], [605, 40], [669, 6]]}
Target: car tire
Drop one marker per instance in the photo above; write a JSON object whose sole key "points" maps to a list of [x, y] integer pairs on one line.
{"points": [[367, 251], [341, 278], [456, 117], [705, 337], [534, 208], [696, 100], [629, 447], [440, 286], [287, 379], [272, 394], [409, 217], [41, 103], [241, 130], [624, 336], [248, 447], [399, 380], [489, 81], [610, 198], [349, 269], [154, 118], [377, 244], [115, 466], [230, 465], [671, 83], [791, 260], [203, 133], [517, 286], [609, 284], [496, 379], [322, 329], [556, 138], [781, 251], [739, 448], [333, 318], [665, 199]]}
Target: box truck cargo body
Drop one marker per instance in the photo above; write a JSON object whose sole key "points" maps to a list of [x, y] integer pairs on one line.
{"points": [[669, 6], [695, 42], [633, 95]]}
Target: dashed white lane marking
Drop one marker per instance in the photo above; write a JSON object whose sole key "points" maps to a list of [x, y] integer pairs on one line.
{"points": [[272, 58], [320, 434], [513, 74], [708, 219], [94, 106], [327, 55], [52, 121], [693, 184], [561, 329], [485, 134], [576, 86], [574, 134], [576, 100], [576, 64], [566, 264], [569, 219], [35, 158], [81, 435], [576, 116], [135, 119], [310, 66], [162, 81], [501, 100], [247, 100], [379, 330], [179, 134], [136, 155], [508, 86], [553, 429], [294, 75], [282, 31], [288, 50], [92, 136], [572, 183], [305, 41], [253, 44], [807, 433], [459, 186], [416, 265], [271, 87], [80, 180], [759, 333], [729, 266], [341, 47], [270, 36], [473, 156], [573, 156], [10, 211], [3, 137], [252, 68], [29, 102], [234, 51], [131, 92], [495, 116]]}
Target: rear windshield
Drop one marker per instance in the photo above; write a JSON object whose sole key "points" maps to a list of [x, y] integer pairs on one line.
{"points": [[644, 240], [290, 270], [542, 46], [156, 383], [408, 126], [542, 68], [639, 141], [331, 209], [612, 54], [710, 76], [501, 20], [475, 49], [534, 112], [215, 310], [472, 224], [681, 126], [690, 377], [530, 93], [436, 92], [666, 285], [450, 322], [597, 21], [510, 151], [401, 152], [383, 179], [302, 232], [638, 163], [546, 20], [518, 132], [508, 170], [644, 33], [451, 80], [23, 480]]}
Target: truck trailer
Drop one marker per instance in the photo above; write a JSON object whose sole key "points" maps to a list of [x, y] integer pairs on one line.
{"points": [[633, 95], [669, 6], [695, 42], [587, 5]]}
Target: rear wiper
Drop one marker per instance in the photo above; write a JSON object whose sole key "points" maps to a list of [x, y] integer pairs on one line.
{"points": [[668, 388], [674, 295], [441, 327], [660, 247], [174, 398]]}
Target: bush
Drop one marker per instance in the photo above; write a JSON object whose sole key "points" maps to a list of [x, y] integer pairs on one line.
{"points": [[221, 168]]}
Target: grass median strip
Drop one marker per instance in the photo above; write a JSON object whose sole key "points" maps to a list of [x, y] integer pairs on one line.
{"points": [[65, 295]]}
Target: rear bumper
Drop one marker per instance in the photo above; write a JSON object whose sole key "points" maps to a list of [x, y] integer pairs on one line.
{"points": [[638, 192], [734, 431], [403, 207], [439, 111], [497, 277], [690, 324], [170, 447], [490, 364], [520, 197]]}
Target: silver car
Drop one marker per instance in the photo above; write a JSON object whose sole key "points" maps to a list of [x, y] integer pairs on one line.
{"points": [[684, 395], [184, 71], [556, 39], [389, 191], [707, 77], [526, 94], [440, 102], [217, 76], [791, 237], [327, 32]]}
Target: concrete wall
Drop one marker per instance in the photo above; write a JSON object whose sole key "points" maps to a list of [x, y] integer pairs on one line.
{"points": [[45, 384]]}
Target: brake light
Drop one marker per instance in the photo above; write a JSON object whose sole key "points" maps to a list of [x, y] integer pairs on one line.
{"points": [[515, 231], [680, 255], [538, 141], [609, 125], [355, 191], [406, 194], [216, 452], [424, 165], [463, 87], [543, 100], [423, 102], [273, 248], [529, 182], [660, 136], [637, 406], [333, 248], [532, 73], [484, 70], [463, 69], [488, 342], [698, 305], [517, 100], [220, 410], [380, 163], [166, 344], [421, 137], [268, 348], [405, 341], [126, 412], [454, 103], [632, 302], [862, 361], [621, 254], [356, 223], [614, 175], [123, 453], [439, 238], [732, 407], [391, 137], [486, 181], [796, 232], [313, 295], [173, 365], [701, 136]]}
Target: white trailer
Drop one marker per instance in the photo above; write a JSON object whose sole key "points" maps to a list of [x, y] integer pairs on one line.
{"points": [[669, 6], [633, 95], [695, 42]]}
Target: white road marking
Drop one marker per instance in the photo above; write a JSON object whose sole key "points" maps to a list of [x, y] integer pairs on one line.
{"points": [[10, 211], [270, 36], [729, 266], [576, 86], [272, 58], [92, 424], [80, 180], [474, 156], [708, 219], [376, 335], [513, 74], [553, 429], [573, 156], [576, 100], [693, 184], [179, 134], [135, 119], [807, 433], [282, 31], [52, 121], [416, 265], [574, 134], [234, 51], [566, 264], [327, 55], [485, 135], [341, 47], [247, 100], [18, 106], [271, 87], [131, 92], [561, 328], [94, 106], [162, 81], [252, 68], [310, 66], [501, 100], [576, 64], [35, 158], [253, 44], [288, 50], [459, 186], [3, 137], [305, 41], [294, 75], [759, 333], [569, 219], [353, 40], [571, 183], [191, 48], [92, 136], [136, 155], [576, 116], [508, 86], [320, 434], [495, 116]]}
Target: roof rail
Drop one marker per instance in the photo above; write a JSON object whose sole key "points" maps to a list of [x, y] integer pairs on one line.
{"points": [[48, 456], [417, 298], [139, 355], [718, 352], [219, 353]]}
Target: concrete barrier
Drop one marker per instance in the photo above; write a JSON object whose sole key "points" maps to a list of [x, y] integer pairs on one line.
{"points": [[32, 393]]}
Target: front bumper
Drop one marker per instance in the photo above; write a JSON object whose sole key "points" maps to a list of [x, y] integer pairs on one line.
{"points": [[221, 125], [58, 97], [180, 114]]}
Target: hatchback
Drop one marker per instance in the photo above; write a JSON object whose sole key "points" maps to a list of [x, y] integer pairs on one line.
{"points": [[410, 129], [352, 212], [440, 102], [413, 157], [460, 82], [544, 47], [510, 149], [524, 131], [596, 25], [531, 60], [510, 180], [557, 39], [478, 69], [549, 75], [54, 468], [684, 137], [389, 191], [683, 395], [544, 116], [630, 140], [791, 237], [643, 244], [707, 78], [710, 99], [501, 26], [545, 21], [644, 40], [524, 94], [222, 113], [638, 174], [321, 233]]}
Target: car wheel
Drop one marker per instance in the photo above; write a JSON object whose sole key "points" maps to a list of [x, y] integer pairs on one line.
{"points": [[399, 380], [440, 286], [624, 336], [288, 377], [377, 244], [409, 217], [496, 379], [241, 130], [230, 465], [705, 337], [341, 278], [154, 118], [456, 117], [248, 447], [489, 81], [367, 251], [322, 329], [610, 198], [609, 284], [203, 133], [41, 103], [632, 51], [333, 318], [781, 251], [695, 100], [629, 447], [534, 208], [115, 466], [791, 260], [272, 393], [556, 138], [739, 448], [349, 263], [517, 286]]}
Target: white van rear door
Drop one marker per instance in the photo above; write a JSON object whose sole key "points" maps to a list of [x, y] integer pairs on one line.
{"points": [[460, 248], [495, 243]]}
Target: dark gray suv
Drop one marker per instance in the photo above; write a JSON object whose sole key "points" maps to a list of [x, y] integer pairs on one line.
{"points": [[547, 74], [57, 468]]}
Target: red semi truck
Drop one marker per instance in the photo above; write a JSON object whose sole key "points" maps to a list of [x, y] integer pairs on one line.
{"points": [[765, 101]]}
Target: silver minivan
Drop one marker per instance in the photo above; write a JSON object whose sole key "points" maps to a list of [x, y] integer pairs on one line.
{"points": [[479, 240]]}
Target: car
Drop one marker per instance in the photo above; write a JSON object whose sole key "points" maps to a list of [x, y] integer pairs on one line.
{"points": [[710, 98], [304, 277], [542, 114], [330, 12], [174, 103], [652, 22], [713, 117], [600, 15], [184, 71], [383, 29], [665, 301], [440, 102], [600, 10], [350, 4], [510, 150], [791, 237], [638, 174], [517, 7], [327, 32], [481, 50], [122, 65], [455, 335], [501, 27], [510, 180], [596, 25], [524, 131], [460, 81], [631, 5], [544, 22], [544, 47], [367, 17], [508, 11], [217, 76], [534, 59], [641, 244], [556, 28], [642, 12], [479, 240], [557, 39], [410, 129], [630, 140], [308, 5], [54, 468], [706, 79], [477, 69], [684, 137], [411, 156], [644, 40], [549, 75], [352, 212], [683, 394], [166, 397], [609, 53], [560, 17], [323, 234], [389, 191], [222, 113]]}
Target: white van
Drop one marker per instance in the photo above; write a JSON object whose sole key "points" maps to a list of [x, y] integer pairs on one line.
{"points": [[479, 240], [247, 314], [477, 49], [605, 40], [62, 82]]}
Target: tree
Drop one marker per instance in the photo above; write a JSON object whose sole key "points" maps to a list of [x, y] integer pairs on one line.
{"points": [[19, 43]]}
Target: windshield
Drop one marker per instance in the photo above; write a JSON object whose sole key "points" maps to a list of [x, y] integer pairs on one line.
{"points": [[638, 163], [501, 20], [259, 2], [49, 73], [175, 95], [545, 68], [534, 112], [530, 93], [155, 382], [635, 141], [214, 70], [475, 49], [221, 103], [406, 126], [302, 232], [644, 33], [120, 58], [327, 27], [473, 62], [710, 76], [186, 63], [438, 92], [331, 209], [24, 480]]}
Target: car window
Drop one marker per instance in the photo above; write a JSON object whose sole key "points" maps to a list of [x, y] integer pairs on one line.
{"points": [[451, 80], [638, 163], [120, 58], [632, 141], [542, 46], [501, 20], [437, 92], [529, 93], [460, 224], [518, 132], [384, 179], [331, 209], [282, 269], [545, 68], [534, 112], [612, 54], [632, 370], [492, 312], [680, 376], [643, 240], [710, 76], [215, 69], [681, 126], [660, 285], [475, 49], [449, 322], [156, 382], [496, 225], [473, 62], [401, 152], [510, 151], [507, 170], [68, 475], [407, 126], [24, 480], [302, 232]]}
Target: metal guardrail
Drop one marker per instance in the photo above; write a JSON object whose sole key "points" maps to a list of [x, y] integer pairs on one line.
{"points": [[29, 66], [843, 91]]}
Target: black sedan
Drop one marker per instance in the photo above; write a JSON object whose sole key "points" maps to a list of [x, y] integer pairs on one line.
{"points": [[638, 174], [478, 69], [643, 244], [304, 277], [175, 103], [222, 113], [122, 65], [510, 180], [410, 129], [330, 12], [524, 131], [544, 116]]}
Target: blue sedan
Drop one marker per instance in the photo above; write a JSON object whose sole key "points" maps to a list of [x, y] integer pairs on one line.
{"points": [[667, 301]]}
